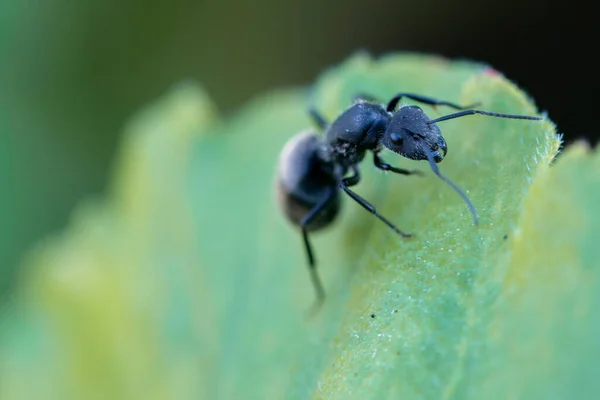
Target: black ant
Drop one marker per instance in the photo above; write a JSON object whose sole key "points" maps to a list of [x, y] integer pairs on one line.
{"points": [[313, 170]]}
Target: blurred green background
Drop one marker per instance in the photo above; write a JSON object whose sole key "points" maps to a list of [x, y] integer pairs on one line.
{"points": [[72, 72]]}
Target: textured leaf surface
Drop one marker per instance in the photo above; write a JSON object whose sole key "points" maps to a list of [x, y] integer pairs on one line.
{"points": [[186, 282]]}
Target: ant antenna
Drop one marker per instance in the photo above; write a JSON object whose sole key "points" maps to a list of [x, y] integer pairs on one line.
{"points": [[436, 171], [490, 114]]}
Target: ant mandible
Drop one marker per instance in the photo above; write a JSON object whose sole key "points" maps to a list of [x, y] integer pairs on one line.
{"points": [[313, 170]]}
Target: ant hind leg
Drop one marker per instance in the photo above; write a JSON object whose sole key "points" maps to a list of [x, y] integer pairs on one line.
{"points": [[318, 118], [361, 96], [312, 265]]}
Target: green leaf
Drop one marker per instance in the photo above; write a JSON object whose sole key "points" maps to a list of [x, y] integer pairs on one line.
{"points": [[187, 282]]}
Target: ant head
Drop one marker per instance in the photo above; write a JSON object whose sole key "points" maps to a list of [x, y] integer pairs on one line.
{"points": [[409, 132]]}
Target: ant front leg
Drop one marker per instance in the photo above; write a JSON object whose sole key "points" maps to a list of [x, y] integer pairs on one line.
{"points": [[353, 180], [382, 165], [425, 100]]}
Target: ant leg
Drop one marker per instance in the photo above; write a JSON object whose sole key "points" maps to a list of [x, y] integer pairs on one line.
{"points": [[379, 163], [425, 100], [308, 218], [353, 180], [364, 97], [317, 117]]}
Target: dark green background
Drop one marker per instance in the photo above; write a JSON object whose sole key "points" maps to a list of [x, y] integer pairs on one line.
{"points": [[72, 72]]}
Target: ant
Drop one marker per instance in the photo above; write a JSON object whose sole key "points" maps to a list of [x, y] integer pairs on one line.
{"points": [[314, 169]]}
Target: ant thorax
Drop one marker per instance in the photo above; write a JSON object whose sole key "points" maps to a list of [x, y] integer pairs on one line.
{"points": [[342, 153], [347, 154]]}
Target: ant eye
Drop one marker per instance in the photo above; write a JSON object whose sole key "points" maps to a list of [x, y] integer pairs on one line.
{"points": [[396, 139]]}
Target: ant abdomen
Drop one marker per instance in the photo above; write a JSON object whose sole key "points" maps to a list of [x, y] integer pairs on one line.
{"points": [[305, 180]]}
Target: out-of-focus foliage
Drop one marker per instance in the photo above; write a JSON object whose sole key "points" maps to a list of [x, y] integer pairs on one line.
{"points": [[186, 282]]}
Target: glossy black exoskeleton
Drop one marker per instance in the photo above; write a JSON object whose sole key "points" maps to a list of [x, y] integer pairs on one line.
{"points": [[314, 169]]}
